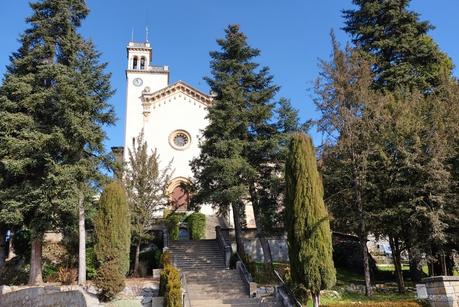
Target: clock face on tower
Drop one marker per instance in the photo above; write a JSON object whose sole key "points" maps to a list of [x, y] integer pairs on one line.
{"points": [[137, 82]]}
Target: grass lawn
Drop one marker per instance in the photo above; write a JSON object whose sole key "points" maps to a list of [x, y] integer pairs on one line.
{"points": [[355, 298], [345, 278]]}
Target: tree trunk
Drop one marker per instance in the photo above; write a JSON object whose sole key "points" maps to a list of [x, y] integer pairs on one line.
{"points": [[267, 256], [442, 257], [449, 262], [238, 229], [35, 276], [363, 241], [315, 299], [366, 264], [2, 247], [396, 257], [415, 264], [136, 259], [82, 242]]}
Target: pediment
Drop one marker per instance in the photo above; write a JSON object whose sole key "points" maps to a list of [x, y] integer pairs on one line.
{"points": [[177, 88]]}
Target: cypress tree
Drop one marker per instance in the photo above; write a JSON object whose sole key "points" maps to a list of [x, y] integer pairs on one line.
{"points": [[307, 220], [53, 104], [112, 228], [397, 41]]}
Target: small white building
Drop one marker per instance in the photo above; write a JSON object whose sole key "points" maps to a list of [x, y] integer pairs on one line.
{"points": [[172, 117]]}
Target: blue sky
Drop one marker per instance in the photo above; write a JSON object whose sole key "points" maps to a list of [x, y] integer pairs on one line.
{"points": [[292, 35]]}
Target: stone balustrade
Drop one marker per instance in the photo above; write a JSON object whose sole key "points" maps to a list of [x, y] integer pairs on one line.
{"points": [[440, 291]]}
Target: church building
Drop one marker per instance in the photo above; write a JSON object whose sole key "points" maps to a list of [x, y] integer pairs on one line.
{"points": [[172, 117]]}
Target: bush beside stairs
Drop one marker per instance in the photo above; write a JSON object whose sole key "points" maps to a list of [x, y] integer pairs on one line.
{"points": [[210, 284]]}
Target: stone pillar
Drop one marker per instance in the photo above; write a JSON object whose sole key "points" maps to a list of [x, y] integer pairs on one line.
{"points": [[442, 291]]}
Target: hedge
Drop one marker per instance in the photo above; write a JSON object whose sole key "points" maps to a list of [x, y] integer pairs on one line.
{"points": [[197, 225], [173, 221], [169, 283], [378, 304]]}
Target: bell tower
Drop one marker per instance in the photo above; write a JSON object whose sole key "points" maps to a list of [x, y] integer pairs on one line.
{"points": [[139, 56], [141, 77]]}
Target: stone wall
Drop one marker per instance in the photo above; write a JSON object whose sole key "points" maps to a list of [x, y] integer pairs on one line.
{"points": [[252, 245], [42, 297], [442, 291]]}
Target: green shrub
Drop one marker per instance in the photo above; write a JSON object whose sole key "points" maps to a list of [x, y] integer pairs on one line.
{"points": [[49, 272], [264, 273], [157, 258], [174, 297], [162, 282], [250, 265], [378, 304], [166, 258], [197, 225], [14, 272], [109, 280], [67, 275], [22, 244], [173, 221], [90, 263], [112, 238], [234, 258], [173, 294]]}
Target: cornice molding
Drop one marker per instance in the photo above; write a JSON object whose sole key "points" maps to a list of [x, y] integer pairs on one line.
{"points": [[179, 86]]}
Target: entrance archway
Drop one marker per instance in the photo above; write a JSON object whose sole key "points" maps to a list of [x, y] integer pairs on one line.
{"points": [[179, 193]]}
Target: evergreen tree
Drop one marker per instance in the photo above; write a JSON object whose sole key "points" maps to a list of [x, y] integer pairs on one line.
{"points": [[53, 100], [401, 51], [406, 58], [343, 94], [146, 188], [239, 130], [112, 239], [307, 220]]}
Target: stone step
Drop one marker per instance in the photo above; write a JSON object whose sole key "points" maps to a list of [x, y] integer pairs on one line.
{"points": [[216, 288], [239, 302], [193, 256], [179, 255], [199, 267]]}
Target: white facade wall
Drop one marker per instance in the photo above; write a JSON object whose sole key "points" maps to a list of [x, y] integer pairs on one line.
{"points": [[172, 113]]}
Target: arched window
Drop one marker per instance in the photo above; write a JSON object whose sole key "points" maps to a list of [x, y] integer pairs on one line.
{"points": [[142, 63], [134, 63]]}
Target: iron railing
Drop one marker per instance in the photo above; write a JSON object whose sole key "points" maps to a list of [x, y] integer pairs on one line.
{"points": [[291, 296], [186, 302]]}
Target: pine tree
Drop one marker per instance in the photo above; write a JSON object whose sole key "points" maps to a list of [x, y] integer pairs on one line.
{"points": [[401, 50], [238, 131], [343, 94], [53, 100], [307, 220], [112, 228], [406, 59], [146, 188]]}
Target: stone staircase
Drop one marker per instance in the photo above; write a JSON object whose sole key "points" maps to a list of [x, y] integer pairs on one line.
{"points": [[209, 283], [196, 254]]}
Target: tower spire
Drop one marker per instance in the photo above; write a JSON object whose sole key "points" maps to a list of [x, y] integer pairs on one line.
{"points": [[132, 34], [146, 34]]}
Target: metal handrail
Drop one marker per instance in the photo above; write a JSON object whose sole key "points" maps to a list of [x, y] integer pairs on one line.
{"points": [[224, 246], [185, 295], [244, 267], [291, 295]]}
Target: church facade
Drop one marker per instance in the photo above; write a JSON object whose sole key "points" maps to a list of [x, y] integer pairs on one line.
{"points": [[171, 116]]}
